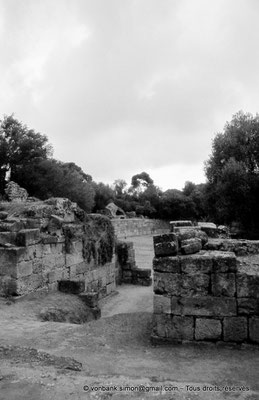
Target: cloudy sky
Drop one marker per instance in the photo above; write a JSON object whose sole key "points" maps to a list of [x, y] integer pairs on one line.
{"points": [[125, 86]]}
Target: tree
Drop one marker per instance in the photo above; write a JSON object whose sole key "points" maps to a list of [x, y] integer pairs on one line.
{"points": [[233, 173], [52, 178], [104, 194], [140, 182], [19, 146]]}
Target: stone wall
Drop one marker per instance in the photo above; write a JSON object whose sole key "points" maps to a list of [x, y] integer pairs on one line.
{"points": [[55, 241], [128, 272], [139, 226], [207, 296], [240, 247]]}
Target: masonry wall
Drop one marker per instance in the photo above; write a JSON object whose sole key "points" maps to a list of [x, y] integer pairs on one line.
{"points": [[206, 296], [36, 253], [139, 226]]}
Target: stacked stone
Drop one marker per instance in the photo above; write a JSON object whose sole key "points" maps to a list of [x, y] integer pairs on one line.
{"points": [[15, 193], [129, 272], [202, 296]]}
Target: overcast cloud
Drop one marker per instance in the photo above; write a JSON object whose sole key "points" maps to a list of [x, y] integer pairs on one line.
{"points": [[125, 86]]}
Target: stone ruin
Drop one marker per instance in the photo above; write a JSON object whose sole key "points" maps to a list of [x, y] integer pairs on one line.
{"points": [[15, 193], [203, 295]]}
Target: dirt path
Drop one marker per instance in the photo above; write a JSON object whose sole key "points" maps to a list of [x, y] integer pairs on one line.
{"points": [[115, 353]]}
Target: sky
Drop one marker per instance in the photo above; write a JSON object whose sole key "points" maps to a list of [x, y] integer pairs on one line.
{"points": [[125, 86]]}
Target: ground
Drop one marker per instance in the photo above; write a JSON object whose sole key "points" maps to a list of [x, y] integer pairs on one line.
{"points": [[51, 360]]}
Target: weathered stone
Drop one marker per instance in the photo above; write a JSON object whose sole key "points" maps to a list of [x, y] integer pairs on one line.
{"points": [[161, 304], [247, 306], [208, 306], [254, 329], [9, 258], [74, 287], [223, 284], [174, 224], [165, 245], [209, 228], [191, 233], [30, 283], [235, 329], [191, 246], [15, 192], [7, 238], [223, 261], [24, 268], [7, 286], [173, 328], [90, 299], [208, 329], [27, 237], [11, 226], [247, 285], [194, 285], [165, 283], [197, 263], [167, 264]]}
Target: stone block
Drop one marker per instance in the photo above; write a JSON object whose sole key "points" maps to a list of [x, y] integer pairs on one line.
{"points": [[223, 262], [110, 288], [11, 226], [174, 224], [254, 329], [8, 286], [176, 306], [9, 258], [27, 284], [24, 268], [235, 329], [165, 283], [90, 299], [74, 259], [167, 264], [223, 284], [191, 246], [73, 287], [173, 328], [161, 304], [208, 306], [27, 237], [165, 245], [209, 228], [247, 306], [197, 263], [194, 285], [247, 285], [208, 329], [7, 238]]}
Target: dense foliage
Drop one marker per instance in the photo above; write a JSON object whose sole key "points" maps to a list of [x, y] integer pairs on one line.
{"points": [[230, 194]]}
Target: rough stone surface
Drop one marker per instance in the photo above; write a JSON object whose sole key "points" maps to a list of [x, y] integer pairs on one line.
{"points": [[208, 306], [223, 284], [199, 263], [162, 304], [208, 329], [254, 329], [194, 285], [191, 246], [167, 264], [165, 245], [247, 285], [165, 283], [247, 306], [235, 329], [173, 328]]}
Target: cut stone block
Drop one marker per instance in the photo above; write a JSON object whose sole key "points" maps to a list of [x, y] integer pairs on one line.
{"points": [[194, 285], [161, 304], [223, 284], [191, 246], [173, 328], [208, 306], [8, 286], [165, 245], [165, 283], [254, 329], [9, 258], [208, 329], [197, 263], [247, 306], [174, 224], [209, 228], [27, 237], [90, 299], [24, 268], [191, 233], [235, 329], [247, 285], [223, 261], [73, 287], [167, 264]]}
